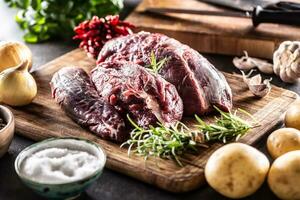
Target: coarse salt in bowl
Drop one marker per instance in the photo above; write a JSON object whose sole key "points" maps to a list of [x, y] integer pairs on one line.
{"points": [[60, 167]]}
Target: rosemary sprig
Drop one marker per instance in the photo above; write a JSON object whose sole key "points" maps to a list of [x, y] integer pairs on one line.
{"points": [[172, 142], [227, 127], [160, 141], [155, 65]]}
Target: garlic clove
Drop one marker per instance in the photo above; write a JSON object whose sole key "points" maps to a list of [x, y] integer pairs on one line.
{"points": [[284, 77], [255, 84], [265, 67], [260, 90], [243, 63], [285, 45], [276, 68], [13, 53], [246, 76], [291, 74], [295, 66], [255, 80], [293, 46], [247, 63]]}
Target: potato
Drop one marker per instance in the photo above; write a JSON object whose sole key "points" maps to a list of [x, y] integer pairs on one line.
{"points": [[282, 141], [236, 170], [284, 176], [292, 116]]}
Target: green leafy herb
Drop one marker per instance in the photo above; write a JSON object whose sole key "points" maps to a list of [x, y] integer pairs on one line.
{"points": [[45, 19], [160, 141], [172, 142], [154, 65], [227, 127]]}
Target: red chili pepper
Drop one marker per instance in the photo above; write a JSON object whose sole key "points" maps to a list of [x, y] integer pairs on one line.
{"points": [[96, 32]]}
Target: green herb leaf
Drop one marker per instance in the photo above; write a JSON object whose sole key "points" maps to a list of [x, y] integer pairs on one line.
{"points": [[172, 142], [155, 66], [160, 141], [227, 127], [58, 17], [30, 38]]}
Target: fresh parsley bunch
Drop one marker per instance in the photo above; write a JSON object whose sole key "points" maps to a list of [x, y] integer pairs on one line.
{"points": [[45, 19]]}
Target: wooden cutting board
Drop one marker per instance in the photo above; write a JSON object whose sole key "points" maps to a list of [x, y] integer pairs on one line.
{"points": [[213, 34], [44, 119]]}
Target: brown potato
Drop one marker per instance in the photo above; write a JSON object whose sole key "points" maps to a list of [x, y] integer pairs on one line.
{"points": [[236, 170], [282, 141], [284, 176], [292, 116]]}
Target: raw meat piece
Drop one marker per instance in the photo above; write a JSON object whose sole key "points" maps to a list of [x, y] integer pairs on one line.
{"points": [[198, 82], [132, 89], [72, 89]]}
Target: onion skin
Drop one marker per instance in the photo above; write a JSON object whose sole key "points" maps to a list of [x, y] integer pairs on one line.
{"points": [[17, 86], [14, 53]]}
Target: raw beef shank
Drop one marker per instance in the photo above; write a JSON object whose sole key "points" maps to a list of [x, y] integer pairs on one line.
{"points": [[72, 89], [200, 85], [132, 89]]}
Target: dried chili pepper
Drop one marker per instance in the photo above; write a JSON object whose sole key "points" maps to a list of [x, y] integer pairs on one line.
{"points": [[96, 32]]}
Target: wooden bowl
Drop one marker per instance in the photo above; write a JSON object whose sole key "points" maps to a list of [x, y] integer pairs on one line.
{"points": [[6, 133]]}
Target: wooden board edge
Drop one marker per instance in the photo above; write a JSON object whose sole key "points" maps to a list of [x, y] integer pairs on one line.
{"points": [[244, 44], [53, 62], [175, 183]]}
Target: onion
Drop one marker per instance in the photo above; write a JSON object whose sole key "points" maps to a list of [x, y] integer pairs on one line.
{"points": [[13, 54], [17, 86]]}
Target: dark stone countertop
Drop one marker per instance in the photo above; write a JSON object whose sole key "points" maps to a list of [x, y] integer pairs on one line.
{"points": [[111, 185]]}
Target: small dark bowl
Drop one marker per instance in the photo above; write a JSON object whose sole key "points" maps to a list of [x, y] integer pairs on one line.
{"points": [[6, 133]]}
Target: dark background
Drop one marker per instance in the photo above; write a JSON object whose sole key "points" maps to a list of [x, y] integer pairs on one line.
{"points": [[111, 185]]}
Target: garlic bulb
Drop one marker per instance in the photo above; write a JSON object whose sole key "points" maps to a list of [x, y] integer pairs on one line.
{"points": [[287, 61], [17, 86], [13, 53]]}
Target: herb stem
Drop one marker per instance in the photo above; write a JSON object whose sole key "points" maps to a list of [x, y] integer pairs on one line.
{"points": [[172, 142], [155, 65]]}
